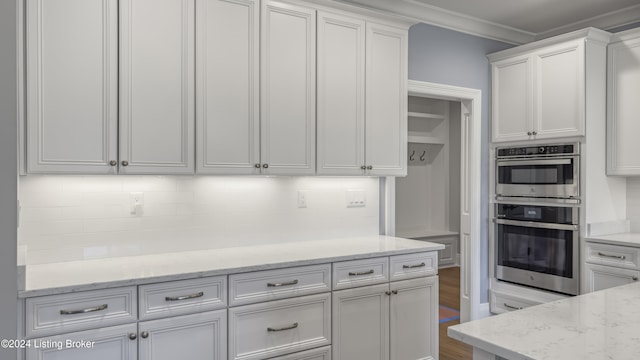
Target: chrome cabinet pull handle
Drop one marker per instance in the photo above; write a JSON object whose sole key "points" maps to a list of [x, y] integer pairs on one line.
{"points": [[634, 278], [369, 167], [292, 326], [621, 257], [361, 273], [265, 166], [184, 297], [83, 311], [529, 133], [133, 336], [534, 133], [125, 163], [363, 167], [414, 266], [113, 163], [144, 334], [257, 166], [512, 307], [293, 282]]}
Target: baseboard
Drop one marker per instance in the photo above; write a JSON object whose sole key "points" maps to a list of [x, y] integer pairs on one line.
{"points": [[484, 310]]}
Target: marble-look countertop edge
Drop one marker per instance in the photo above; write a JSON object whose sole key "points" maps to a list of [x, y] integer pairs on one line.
{"points": [[622, 239], [135, 281]]}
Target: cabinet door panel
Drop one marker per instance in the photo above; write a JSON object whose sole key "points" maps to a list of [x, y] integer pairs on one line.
{"points": [[386, 100], [623, 126], [110, 343], [227, 91], [559, 91], [414, 319], [604, 277], [511, 99], [361, 323], [157, 86], [200, 336], [288, 89], [341, 51], [72, 86]]}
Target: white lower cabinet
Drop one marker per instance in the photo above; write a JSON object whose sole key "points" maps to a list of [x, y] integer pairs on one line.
{"points": [[395, 321], [609, 265], [110, 343], [603, 277], [195, 337]]}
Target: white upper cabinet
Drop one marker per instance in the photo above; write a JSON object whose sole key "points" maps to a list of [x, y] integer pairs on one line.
{"points": [[341, 72], [157, 109], [560, 91], [288, 84], [623, 87], [362, 97], [512, 115], [227, 86], [72, 70], [386, 100], [540, 89]]}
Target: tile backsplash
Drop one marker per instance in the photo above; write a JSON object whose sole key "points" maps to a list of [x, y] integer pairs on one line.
{"points": [[68, 218], [633, 203]]}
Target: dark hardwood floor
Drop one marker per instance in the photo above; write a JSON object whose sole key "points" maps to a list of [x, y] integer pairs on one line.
{"points": [[451, 349]]}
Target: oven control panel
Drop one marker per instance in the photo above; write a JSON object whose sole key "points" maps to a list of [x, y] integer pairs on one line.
{"points": [[538, 150]]}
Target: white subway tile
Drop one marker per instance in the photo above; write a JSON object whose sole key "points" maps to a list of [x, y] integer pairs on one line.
{"points": [[108, 225], [149, 183], [39, 214], [52, 228]]}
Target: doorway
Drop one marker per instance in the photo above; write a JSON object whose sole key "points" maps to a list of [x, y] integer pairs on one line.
{"points": [[469, 101]]}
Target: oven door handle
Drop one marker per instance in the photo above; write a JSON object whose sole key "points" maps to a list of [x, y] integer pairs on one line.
{"points": [[536, 224], [563, 161]]}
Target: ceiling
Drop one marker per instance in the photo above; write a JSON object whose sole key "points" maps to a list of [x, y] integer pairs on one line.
{"points": [[515, 21]]}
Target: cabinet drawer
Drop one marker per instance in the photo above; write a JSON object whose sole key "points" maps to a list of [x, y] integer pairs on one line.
{"points": [[278, 284], [182, 297], [348, 274], [413, 265], [280, 327], [501, 303], [323, 353], [612, 255], [55, 314]]}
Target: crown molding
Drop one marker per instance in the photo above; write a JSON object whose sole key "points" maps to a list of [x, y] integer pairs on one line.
{"points": [[432, 15], [420, 12], [604, 21]]}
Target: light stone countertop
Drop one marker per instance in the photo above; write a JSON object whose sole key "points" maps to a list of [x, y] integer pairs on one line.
{"points": [[57, 278], [595, 326], [624, 239]]}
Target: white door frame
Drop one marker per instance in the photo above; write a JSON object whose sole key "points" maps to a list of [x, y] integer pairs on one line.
{"points": [[470, 190]]}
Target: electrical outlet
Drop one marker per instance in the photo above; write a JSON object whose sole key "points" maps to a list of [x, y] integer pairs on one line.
{"points": [[302, 198], [136, 200], [356, 198]]}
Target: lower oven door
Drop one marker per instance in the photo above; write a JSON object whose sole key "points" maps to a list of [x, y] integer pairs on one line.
{"points": [[537, 254]]}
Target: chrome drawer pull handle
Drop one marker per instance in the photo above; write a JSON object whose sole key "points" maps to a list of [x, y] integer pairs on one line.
{"points": [[414, 266], [83, 311], [293, 326], [184, 297], [282, 284], [621, 257], [361, 273], [512, 307]]}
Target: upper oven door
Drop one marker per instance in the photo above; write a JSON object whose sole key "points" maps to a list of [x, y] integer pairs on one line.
{"points": [[538, 177]]}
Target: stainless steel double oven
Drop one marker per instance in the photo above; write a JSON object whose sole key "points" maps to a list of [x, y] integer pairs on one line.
{"points": [[536, 216]]}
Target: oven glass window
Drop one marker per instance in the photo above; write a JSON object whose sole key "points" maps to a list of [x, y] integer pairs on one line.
{"points": [[559, 174], [546, 251]]}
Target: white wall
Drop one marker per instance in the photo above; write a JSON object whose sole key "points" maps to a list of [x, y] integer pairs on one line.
{"points": [[633, 203], [66, 218]]}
